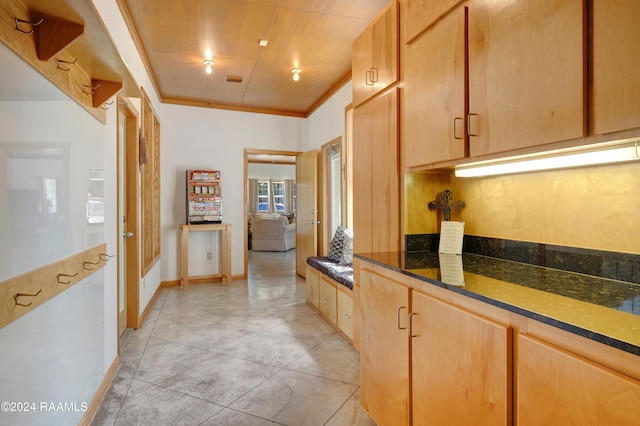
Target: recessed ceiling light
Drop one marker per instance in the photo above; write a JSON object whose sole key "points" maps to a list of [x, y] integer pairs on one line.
{"points": [[263, 42]]}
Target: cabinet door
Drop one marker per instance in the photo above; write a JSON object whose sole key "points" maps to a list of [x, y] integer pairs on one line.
{"points": [[313, 287], [376, 215], [557, 387], [345, 314], [384, 350], [328, 301], [460, 366], [384, 61], [375, 56], [616, 63], [362, 174], [419, 14], [361, 66], [385, 180], [434, 114], [526, 73]]}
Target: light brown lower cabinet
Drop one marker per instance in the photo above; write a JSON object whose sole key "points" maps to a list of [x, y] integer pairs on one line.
{"points": [[471, 363], [328, 301], [426, 362], [556, 386], [333, 300], [313, 289], [384, 349], [460, 366]]}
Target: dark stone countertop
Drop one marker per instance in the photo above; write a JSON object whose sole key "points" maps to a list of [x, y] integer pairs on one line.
{"points": [[601, 309]]}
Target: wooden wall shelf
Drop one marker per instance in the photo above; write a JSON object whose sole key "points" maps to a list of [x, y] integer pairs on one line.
{"points": [[37, 286], [104, 90], [54, 34], [80, 42]]}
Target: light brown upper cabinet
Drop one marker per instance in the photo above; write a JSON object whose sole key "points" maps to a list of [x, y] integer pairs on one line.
{"points": [[434, 109], [616, 62], [375, 55], [419, 14], [526, 73], [521, 83]]}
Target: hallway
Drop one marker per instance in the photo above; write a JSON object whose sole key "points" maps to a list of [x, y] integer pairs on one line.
{"points": [[253, 353]]}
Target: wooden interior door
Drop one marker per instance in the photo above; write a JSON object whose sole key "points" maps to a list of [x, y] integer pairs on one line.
{"points": [[307, 218], [122, 223]]}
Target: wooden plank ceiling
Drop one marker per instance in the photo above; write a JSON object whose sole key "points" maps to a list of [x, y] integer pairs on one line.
{"points": [[314, 35]]}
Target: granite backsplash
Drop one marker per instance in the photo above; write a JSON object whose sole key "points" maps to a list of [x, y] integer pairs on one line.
{"points": [[598, 263]]}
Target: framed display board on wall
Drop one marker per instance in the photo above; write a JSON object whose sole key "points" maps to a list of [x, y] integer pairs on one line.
{"points": [[150, 196]]}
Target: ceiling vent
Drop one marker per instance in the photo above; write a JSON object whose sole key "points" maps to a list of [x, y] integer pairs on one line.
{"points": [[233, 79]]}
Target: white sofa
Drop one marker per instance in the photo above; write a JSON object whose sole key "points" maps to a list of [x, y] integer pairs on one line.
{"points": [[272, 234]]}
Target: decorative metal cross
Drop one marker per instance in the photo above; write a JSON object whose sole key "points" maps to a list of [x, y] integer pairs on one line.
{"points": [[445, 204]]}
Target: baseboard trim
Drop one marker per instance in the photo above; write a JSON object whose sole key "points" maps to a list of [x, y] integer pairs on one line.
{"points": [[146, 311], [202, 279], [98, 397]]}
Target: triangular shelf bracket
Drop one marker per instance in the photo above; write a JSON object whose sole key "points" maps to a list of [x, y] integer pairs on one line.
{"points": [[54, 34], [103, 90]]}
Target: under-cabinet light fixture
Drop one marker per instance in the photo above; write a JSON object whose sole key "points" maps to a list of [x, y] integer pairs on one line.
{"points": [[605, 153], [263, 42], [296, 73], [208, 65]]}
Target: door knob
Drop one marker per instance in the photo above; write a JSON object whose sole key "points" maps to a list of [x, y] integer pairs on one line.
{"points": [[127, 234]]}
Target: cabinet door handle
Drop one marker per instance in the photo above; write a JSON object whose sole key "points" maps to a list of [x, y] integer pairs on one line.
{"points": [[398, 317], [367, 78], [455, 134], [373, 75], [409, 321], [471, 114]]}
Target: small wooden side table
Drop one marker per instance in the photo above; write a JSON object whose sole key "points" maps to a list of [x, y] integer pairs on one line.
{"points": [[224, 229]]}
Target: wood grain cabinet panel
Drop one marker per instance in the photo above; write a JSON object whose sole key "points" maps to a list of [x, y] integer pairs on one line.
{"points": [[384, 349], [313, 287], [328, 301], [345, 314], [526, 73], [616, 51], [376, 198], [419, 14], [460, 364], [558, 387], [375, 56], [434, 101]]}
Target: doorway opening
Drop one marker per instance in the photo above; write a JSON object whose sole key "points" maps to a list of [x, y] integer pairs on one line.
{"points": [[269, 189]]}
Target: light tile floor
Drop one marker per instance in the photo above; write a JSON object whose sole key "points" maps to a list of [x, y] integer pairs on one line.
{"points": [[252, 353]]}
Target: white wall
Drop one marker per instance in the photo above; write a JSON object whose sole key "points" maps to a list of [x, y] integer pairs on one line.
{"points": [[57, 351], [211, 139], [327, 122], [110, 14]]}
